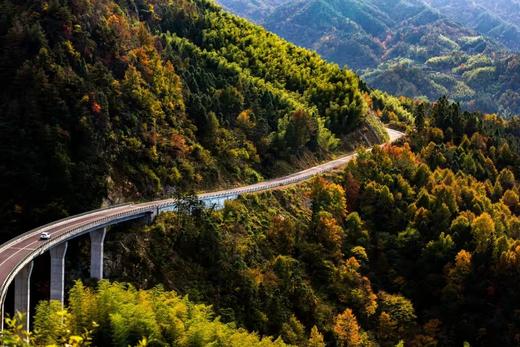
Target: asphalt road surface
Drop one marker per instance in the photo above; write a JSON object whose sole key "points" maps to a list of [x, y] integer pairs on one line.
{"points": [[27, 246]]}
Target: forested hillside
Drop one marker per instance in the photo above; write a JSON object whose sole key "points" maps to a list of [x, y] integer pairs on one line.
{"points": [[407, 47], [417, 243], [412, 244], [477, 82], [121, 100]]}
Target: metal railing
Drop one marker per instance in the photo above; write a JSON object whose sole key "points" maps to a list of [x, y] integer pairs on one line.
{"points": [[74, 232], [141, 210], [39, 229]]}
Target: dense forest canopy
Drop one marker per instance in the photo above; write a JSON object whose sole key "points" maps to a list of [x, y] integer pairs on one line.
{"points": [[418, 48], [411, 244], [416, 242], [106, 101]]}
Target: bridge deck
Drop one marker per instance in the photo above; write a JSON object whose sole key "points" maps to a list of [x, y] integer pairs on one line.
{"points": [[16, 253]]}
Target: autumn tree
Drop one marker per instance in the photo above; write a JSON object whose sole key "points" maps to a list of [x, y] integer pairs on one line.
{"points": [[483, 231], [329, 197], [458, 272], [315, 338], [329, 234], [347, 330]]}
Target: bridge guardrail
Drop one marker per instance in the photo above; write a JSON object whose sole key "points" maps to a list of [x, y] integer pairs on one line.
{"points": [[43, 247], [29, 233], [148, 208]]}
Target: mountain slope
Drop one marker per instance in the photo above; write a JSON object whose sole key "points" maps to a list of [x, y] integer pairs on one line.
{"points": [[392, 45], [132, 100], [379, 27], [415, 244]]}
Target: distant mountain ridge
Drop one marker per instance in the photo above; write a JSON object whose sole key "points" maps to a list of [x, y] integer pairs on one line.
{"points": [[361, 34], [396, 46], [255, 10], [498, 19]]}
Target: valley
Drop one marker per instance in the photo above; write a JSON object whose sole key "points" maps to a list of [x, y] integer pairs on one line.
{"points": [[411, 48]]}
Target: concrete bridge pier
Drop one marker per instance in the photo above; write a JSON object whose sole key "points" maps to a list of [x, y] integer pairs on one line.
{"points": [[150, 217], [58, 272], [22, 293], [97, 239]]}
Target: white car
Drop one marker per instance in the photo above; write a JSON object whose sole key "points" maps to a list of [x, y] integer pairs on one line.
{"points": [[45, 235]]}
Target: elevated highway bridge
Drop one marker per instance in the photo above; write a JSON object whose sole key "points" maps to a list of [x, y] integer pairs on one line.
{"points": [[17, 255]]}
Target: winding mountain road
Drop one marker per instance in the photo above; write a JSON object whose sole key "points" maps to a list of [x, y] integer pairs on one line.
{"points": [[20, 251]]}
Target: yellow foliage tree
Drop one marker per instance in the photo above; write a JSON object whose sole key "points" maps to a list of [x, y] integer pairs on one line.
{"points": [[315, 338], [347, 329]]}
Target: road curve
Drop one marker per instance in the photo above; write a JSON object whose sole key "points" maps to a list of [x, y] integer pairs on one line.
{"points": [[20, 251]]}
